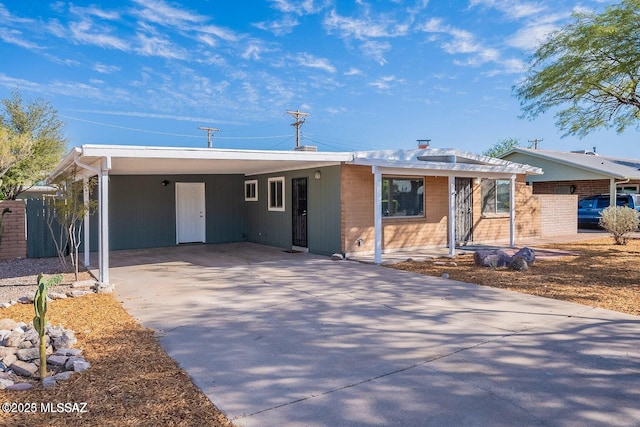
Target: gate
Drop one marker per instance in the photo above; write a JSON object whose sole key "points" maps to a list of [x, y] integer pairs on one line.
{"points": [[40, 243], [299, 212]]}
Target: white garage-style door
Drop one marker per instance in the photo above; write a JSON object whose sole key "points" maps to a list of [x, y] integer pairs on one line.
{"points": [[190, 212]]}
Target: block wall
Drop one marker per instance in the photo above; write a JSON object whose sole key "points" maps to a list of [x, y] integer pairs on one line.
{"points": [[559, 214], [14, 242]]}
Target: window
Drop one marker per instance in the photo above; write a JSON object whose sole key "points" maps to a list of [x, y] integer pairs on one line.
{"points": [[276, 194], [495, 196], [627, 189], [251, 190], [402, 197]]}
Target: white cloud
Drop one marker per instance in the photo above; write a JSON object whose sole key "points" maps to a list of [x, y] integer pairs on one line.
{"points": [[221, 33], [279, 28], [83, 33], [16, 37], [105, 69], [375, 50], [363, 29], [386, 82], [304, 7], [353, 72], [160, 12], [94, 11], [254, 50], [308, 60], [157, 46], [513, 9], [462, 42], [531, 36]]}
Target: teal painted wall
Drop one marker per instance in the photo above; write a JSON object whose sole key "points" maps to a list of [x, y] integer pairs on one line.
{"points": [[323, 211], [142, 212]]}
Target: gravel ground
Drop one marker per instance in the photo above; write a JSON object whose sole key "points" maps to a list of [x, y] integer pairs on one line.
{"points": [[19, 277]]}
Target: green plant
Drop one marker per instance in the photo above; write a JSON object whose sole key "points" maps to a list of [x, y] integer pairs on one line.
{"points": [[40, 321], [619, 221]]}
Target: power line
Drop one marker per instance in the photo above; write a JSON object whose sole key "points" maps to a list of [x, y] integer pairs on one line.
{"points": [[209, 132]]}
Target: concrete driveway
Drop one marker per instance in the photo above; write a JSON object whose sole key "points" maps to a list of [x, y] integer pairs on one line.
{"points": [[276, 338]]}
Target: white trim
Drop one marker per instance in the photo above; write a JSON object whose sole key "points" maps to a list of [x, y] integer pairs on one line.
{"points": [[377, 213], [103, 223], [85, 201], [282, 181], [253, 182], [451, 221], [512, 212]]}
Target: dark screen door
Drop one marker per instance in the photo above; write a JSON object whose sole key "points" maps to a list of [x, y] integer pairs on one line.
{"points": [[299, 211], [464, 211]]}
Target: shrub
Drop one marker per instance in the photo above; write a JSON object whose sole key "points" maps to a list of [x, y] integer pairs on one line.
{"points": [[619, 221]]}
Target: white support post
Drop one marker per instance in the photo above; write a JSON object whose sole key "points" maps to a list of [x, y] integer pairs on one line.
{"points": [[612, 192], [512, 212], [103, 217], [85, 200], [452, 216], [377, 213]]}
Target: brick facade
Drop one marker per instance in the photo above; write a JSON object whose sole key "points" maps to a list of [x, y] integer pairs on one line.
{"points": [[559, 214], [581, 189], [357, 220], [14, 242]]}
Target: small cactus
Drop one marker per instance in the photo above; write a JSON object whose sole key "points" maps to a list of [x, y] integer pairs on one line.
{"points": [[40, 321]]}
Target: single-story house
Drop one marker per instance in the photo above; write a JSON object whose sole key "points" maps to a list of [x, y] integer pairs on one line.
{"points": [[583, 173], [324, 202]]}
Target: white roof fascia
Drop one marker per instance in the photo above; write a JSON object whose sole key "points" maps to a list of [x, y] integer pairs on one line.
{"points": [[115, 151], [552, 158], [447, 169]]}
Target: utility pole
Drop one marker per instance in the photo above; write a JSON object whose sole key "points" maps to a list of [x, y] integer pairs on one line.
{"points": [[297, 114], [209, 132], [535, 142]]}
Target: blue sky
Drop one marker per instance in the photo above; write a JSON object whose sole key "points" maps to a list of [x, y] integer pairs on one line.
{"points": [[372, 74]]}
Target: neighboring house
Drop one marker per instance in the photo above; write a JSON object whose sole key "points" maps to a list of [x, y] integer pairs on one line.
{"points": [[323, 202], [582, 173]]}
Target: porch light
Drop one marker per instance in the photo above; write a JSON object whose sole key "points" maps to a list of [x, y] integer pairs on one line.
{"points": [[318, 175], [165, 183]]}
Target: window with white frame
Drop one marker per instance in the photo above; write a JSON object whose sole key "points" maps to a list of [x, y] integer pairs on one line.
{"points": [[496, 196], [627, 188], [251, 190], [402, 197], [276, 193]]}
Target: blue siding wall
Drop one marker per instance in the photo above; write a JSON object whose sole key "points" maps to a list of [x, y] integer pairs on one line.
{"points": [[274, 228], [142, 212]]}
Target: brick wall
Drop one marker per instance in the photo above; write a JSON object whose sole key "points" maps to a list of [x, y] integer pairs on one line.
{"points": [[431, 230], [14, 243], [492, 228], [582, 188], [559, 214]]}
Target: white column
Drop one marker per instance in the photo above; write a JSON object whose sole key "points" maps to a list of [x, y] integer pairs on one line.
{"points": [[612, 192], [85, 200], [452, 216], [377, 213], [512, 212], [103, 221]]}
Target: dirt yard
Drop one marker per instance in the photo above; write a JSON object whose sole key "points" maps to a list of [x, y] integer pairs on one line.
{"points": [[600, 274]]}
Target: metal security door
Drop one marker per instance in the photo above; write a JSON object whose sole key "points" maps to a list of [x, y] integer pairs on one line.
{"points": [[299, 212], [464, 211], [190, 213]]}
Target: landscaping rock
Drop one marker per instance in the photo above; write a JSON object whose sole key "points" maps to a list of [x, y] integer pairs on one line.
{"points": [[25, 369], [20, 387], [5, 383], [68, 352], [27, 354], [25, 300], [4, 351], [8, 324], [14, 339], [9, 359], [57, 295], [57, 360], [528, 254], [63, 376], [69, 364], [337, 257], [84, 284], [49, 382], [25, 344], [78, 293], [81, 365], [491, 258], [66, 340], [518, 264]]}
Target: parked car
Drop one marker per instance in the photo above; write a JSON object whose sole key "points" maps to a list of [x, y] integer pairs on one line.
{"points": [[589, 208]]}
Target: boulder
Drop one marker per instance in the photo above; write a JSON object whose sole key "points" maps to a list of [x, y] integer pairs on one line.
{"points": [[25, 369], [518, 263], [528, 254], [491, 258]]}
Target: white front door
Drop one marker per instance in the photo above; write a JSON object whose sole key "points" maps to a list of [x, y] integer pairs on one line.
{"points": [[190, 213]]}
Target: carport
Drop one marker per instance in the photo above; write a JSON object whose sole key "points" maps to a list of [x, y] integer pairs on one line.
{"points": [[278, 338]]}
